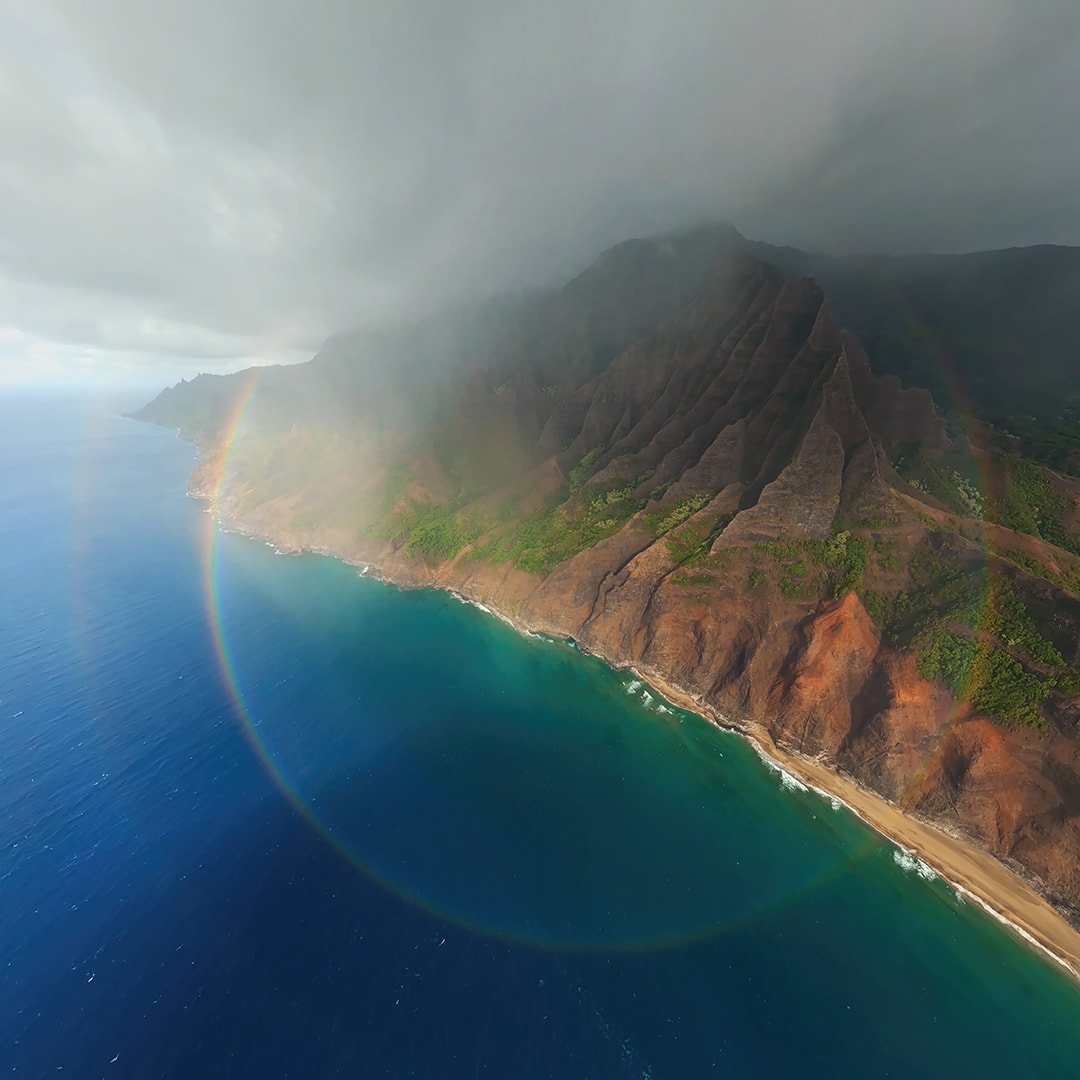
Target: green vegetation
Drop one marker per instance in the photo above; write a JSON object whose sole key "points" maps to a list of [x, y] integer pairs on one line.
{"points": [[880, 606], [1006, 617], [952, 480], [1069, 580], [1068, 682], [680, 578], [603, 500], [539, 542], [948, 657], [436, 530], [1003, 688], [584, 468], [869, 523], [788, 550], [974, 635], [689, 545], [798, 590], [808, 565], [1016, 492], [845, 555], [661, 521], [1031, 504], [969, 495], [985, 675]]}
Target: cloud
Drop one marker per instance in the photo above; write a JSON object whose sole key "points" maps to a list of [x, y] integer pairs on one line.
{"points": [[220, 181]]}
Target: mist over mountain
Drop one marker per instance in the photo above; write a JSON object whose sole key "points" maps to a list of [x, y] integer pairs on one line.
{"points": [[344, 164], [989, 334], [836, 502], [616, 373]]}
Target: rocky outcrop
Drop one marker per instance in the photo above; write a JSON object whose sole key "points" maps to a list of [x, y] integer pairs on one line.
{"points": [[692, 473]]}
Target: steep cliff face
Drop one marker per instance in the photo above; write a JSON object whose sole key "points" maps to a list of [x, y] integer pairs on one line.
{"points": [[685, 462], [988, 332]]}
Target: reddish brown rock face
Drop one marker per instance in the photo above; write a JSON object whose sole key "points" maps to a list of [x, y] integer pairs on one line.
{"points": [[745, 430], [822, 677]]}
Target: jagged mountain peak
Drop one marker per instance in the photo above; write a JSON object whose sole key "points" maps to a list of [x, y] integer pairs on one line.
{"points": [[686, 460]]}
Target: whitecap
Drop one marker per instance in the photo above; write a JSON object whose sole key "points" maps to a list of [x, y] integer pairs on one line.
{"points": [[792, 783], [910, 863]]}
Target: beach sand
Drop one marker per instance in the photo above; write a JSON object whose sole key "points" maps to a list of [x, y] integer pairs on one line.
{"points": [[975, 872]]}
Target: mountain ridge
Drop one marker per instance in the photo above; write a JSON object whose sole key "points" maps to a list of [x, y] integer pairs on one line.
{"points": [[720, 488]]}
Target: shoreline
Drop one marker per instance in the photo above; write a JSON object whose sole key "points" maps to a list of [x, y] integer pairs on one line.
{"points": [[973, 872]]}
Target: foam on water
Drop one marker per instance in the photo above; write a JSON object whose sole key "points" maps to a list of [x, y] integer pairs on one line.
{"points": [[910, 863], [162, 896], [787, 780]]}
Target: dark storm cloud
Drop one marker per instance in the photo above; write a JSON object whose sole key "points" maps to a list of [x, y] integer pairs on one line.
{"points": [[227, 181]]}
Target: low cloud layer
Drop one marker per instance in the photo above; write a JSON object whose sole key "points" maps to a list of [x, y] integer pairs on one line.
{"points": [[198, 186]]}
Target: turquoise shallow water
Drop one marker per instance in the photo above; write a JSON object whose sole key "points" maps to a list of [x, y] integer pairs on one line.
{"points": [[472, 854]]}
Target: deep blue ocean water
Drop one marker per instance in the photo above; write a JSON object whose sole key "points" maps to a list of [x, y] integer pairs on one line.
{"points": [[426, 846]]}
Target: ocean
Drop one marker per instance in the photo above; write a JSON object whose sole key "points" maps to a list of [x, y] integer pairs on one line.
{"points": [[264, 817]]}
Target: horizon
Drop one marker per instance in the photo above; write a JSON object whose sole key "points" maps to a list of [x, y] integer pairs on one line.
{"points": [[134, 375], [356, 165]]}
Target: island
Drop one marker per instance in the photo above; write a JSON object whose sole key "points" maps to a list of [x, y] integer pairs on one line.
{"points": [[831, 503]]}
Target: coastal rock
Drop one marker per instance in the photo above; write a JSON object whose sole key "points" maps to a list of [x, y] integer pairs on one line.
{"points": [[683, 461]]}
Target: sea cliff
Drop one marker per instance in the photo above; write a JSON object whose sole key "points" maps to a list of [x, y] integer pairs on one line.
{"points": [[685, 462]]}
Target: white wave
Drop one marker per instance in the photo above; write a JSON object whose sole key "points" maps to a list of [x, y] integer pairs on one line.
{"points": [[829, 797], [489, 611], [792, 783], [910, 863], [767, 761], [966, 894], [653, 702]]}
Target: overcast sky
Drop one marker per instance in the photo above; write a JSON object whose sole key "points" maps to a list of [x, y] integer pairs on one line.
{"points": [[199, 185]]}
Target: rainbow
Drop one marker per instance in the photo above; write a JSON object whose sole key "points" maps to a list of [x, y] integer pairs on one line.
{"points": [[212, 571], [212, 593], [215, 477]]}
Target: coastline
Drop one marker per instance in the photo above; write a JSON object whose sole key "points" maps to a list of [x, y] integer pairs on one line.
{"points": [[974, 873]]}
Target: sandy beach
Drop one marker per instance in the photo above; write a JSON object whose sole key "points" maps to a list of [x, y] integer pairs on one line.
{"points": [[976, 873]]}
